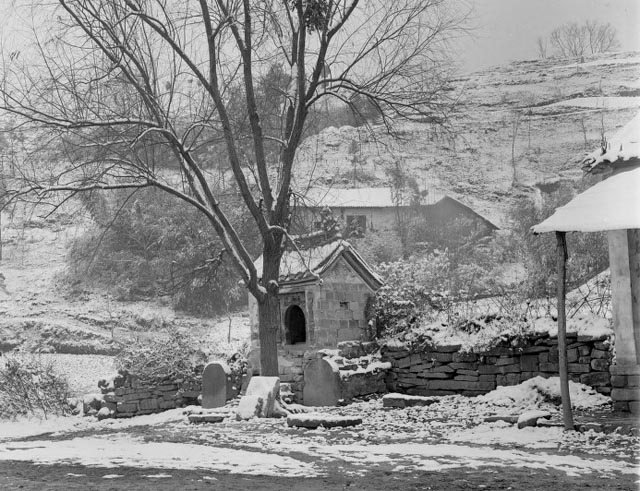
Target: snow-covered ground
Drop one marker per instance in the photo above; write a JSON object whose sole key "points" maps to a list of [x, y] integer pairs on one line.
{"points": [[448, 434]]}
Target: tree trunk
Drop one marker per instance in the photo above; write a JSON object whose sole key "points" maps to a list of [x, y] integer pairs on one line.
{"points": [[269, 311], [268, 327], [567, 415]]}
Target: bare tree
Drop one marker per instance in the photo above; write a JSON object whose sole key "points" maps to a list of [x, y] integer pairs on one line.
{"points": [[541, 44], [602, 37], [574, 40], [133, 92], [570, 40]]}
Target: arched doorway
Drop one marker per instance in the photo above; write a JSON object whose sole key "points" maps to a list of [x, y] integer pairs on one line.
{"points": [[295, 325]]}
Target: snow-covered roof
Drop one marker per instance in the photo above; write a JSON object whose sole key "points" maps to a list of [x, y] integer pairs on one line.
{"points": [[612, 204], [311, 264], [621, 148], [379, 197]]}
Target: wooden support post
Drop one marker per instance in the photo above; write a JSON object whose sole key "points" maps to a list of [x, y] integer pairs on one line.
{"points": [[567, 415]]}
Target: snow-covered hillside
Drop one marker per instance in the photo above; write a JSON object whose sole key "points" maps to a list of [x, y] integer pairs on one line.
{"points": [[539, 116]]}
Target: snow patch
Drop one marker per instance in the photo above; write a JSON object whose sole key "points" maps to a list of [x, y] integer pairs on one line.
{"points": [[116, 451], [535, 391]]}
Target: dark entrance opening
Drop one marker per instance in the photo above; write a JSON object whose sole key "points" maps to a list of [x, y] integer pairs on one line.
{"points": [[295, 325]]}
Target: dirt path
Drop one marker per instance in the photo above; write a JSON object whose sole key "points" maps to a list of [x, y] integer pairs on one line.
{"points": [[27, 476]]}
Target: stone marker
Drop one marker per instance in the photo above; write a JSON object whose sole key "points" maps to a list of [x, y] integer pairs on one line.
{"points": [[205, 418], [530, 418], [313, 420], [321, 383], [214, 384], [404, 400], [265, 389]]}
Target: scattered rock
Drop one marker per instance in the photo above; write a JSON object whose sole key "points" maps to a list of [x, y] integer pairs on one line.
{"points": [[530, 418], [314, 420], [250, 407], [104, 413], [506, 418], [91, 403]]}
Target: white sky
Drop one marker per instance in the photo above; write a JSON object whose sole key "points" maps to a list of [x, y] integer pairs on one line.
{"points": [[507, 30], [503, 30]]}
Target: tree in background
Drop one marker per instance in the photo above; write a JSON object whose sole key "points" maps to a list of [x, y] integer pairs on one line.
{"points": [[141, 93], [149, 245], [588, 253], [573, 40]]}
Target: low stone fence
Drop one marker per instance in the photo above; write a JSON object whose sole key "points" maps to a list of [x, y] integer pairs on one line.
{"points": [[125, 396], [445, 370]]}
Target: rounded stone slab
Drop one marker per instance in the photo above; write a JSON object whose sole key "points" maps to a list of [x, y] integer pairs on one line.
{"points": [[214, 384], [312, 421], [321, 383]]}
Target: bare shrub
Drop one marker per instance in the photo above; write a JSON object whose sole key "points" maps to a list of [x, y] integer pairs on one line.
{"points": [[30, 386], [170, 357]]}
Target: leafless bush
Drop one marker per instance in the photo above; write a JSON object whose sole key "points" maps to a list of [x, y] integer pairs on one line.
{"points": [[30, 386], [169, 357]]}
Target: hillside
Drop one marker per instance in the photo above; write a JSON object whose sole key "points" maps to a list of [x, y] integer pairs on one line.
{"points": [[558, 109], [562, 108]]}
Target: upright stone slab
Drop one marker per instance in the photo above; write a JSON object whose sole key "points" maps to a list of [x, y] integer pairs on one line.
{"points": [[215, 377], [321, 383]]}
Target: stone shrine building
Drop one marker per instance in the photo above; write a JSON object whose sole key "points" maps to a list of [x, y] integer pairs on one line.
{"points": [[324, 293]]}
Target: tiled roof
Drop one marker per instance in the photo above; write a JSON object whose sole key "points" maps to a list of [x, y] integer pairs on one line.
{"points": [[361, 197], [310, 264], [611, 204]]}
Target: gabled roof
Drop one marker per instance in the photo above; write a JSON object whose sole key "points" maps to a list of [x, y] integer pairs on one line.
{"points": [[621, 149], [612, 204], [380, 197], [308, 265]]}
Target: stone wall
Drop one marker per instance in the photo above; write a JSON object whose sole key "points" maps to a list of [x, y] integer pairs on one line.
{"points": [[625, 387], [339, 306], [126, 396], [446, 370]]}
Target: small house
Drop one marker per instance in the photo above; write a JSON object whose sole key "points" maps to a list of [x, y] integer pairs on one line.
{"points": [[324, 293], [372, 209]]}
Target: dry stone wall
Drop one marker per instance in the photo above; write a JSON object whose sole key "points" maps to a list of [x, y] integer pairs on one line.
{"points": [[126, 396], [445, 370]]}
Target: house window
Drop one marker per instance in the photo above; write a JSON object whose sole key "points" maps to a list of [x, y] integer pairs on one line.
{"points": [[356, 225], [295, 325]]}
